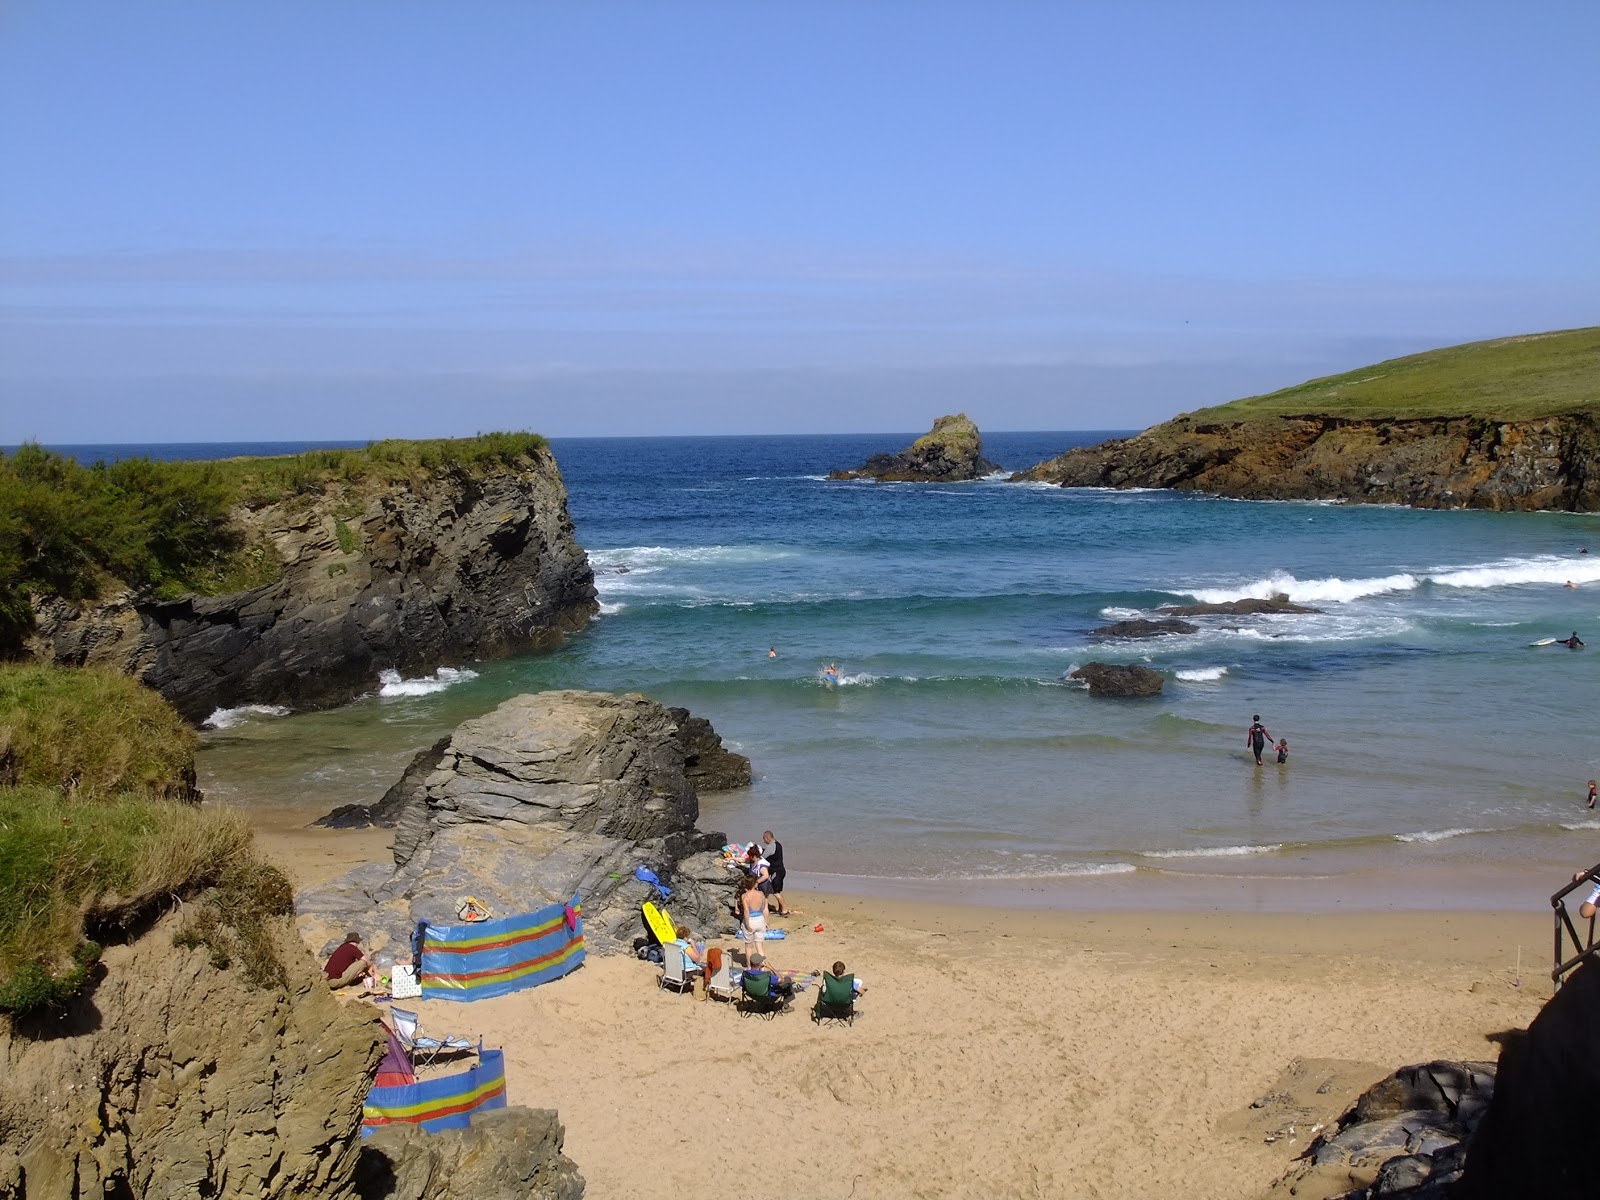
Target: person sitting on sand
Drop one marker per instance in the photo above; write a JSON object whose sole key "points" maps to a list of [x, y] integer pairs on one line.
{"points": [[753, 916], [780, 986], [1283, 750], [347, 963]]}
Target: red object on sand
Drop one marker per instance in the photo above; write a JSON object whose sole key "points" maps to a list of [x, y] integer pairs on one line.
{"points": [[817, 928]]}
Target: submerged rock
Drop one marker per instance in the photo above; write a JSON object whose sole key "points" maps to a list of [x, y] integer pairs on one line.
{"points": [[1145, 629], [952, 451], [550, 794], [1111, 679], [1250, 606]]}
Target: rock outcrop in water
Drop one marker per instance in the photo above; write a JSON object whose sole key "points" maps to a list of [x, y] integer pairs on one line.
{"points": [[549, 794], [458, 563], [1142, 628], [952, 451], [1111, 679], [1248, 607], [1461, 462]]}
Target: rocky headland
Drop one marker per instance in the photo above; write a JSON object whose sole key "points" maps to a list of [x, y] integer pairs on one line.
{"points": [[439, 563], [1508, 424], [950, 452], [549, 795]]}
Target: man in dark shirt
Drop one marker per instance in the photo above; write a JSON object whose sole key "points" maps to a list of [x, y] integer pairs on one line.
{"points": [[773, 849], [348, 963], [1258, 737]]}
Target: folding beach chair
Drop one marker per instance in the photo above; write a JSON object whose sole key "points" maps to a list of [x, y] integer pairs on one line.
{"points": [[758, 997], [424, 1050], [721, 985], [836, 999], [677, 971]]}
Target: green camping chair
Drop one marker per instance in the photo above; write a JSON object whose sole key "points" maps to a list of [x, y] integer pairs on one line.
{"points": [[758, 997], [836, 999]]}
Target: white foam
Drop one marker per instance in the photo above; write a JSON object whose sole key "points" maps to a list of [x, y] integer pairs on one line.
{"points": [[1580, 824], [391, 684], [1514, 571], [1213, 851], [1332, 590], [1436, 835], [1121, 614], [611, 610], [227, 718], [1203, 674], [864, 679]]}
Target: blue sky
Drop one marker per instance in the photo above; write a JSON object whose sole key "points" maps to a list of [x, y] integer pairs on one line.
{"points": [[358, 220]]}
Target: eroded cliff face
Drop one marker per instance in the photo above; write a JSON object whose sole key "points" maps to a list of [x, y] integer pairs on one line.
{"points": [[174, 1078], [453, 565], [1434, 463]]}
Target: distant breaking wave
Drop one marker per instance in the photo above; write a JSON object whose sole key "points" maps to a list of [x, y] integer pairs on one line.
{"points": [[1437, 835], [1213, 851], [1335, 590], [391, 684], [1203, 674]]}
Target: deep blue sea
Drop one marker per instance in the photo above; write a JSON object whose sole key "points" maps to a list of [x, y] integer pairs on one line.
{"points": [[1431, 746]]}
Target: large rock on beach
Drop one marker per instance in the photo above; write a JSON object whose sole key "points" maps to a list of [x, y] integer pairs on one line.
{"points": [[549, 795], [1142, 628], [504, 1154], [448, 566], [1111, 679], [952, 451]]}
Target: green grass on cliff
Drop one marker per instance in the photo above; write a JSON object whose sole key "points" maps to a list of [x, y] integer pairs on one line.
{"points": [[1507, 379], [95, 836], [75, 532], [91, 734]]}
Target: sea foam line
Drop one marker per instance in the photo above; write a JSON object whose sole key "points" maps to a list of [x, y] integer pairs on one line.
{"points": [[1510, 572], [1202, 674], [391, 684], [1437, 835], [1213, 851]]}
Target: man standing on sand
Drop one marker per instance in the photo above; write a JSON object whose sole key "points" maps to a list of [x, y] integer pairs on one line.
{"points": [[773, 849], [1257, 738]]}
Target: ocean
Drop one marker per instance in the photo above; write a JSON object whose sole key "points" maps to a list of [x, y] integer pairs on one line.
{"points": [[1436, 757]]}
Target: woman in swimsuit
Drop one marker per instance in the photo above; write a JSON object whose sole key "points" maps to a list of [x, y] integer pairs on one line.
{"points": [[753, 915]]}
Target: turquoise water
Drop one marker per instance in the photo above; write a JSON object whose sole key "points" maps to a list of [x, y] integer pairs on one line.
{"points": [[1424, 731]]}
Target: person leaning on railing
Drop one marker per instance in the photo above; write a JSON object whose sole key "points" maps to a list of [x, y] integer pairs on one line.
{"points": [[1589, 907]]}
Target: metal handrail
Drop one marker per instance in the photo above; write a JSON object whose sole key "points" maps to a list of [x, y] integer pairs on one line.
{"points": [[1583, 946]]}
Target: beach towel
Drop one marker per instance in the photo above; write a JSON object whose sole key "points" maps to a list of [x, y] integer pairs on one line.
{"points": [[771, 935]]}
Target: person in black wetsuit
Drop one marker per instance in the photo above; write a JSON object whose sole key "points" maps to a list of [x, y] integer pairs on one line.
{"points": [[1257, 738], [1572, 643]]}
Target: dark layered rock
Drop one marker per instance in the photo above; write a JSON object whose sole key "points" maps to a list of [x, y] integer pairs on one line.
{"points": [[951, 452], [1536, 1136], [548, 795], [402, 794], [708, 764], [1250, 606], [504, 1154], [176, 1079], [1144, 629], [1461, 462], [1406, 1136], [1110, 679], [455, 565]]}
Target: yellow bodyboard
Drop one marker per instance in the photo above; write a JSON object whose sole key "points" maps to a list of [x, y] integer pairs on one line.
{"points": [[660, 924]]}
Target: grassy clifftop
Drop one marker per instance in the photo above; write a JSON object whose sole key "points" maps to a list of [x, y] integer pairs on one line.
{"points": [[1506, 379], [72, 531], [93, 842]]}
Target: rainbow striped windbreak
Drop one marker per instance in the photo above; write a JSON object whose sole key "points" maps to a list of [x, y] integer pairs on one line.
{"points": [[444, 1103], [491, 958]]}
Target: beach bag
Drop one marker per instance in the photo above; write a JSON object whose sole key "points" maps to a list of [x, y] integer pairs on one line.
{"points": [[403, 982]]}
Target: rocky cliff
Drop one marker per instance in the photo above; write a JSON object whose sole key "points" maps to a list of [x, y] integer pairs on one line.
{"points": [[549, 794], [950, 452], [1441, 462], [453, 564], [179, 1078]]}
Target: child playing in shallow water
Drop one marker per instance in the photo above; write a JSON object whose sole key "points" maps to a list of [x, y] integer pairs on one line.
{"points": [[1283, 750]]}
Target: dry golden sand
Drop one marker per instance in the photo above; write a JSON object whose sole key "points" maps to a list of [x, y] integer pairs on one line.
{"points": [[998, 1053]]}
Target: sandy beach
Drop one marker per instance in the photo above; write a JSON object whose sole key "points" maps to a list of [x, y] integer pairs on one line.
{"points": [[1000, 1052]]}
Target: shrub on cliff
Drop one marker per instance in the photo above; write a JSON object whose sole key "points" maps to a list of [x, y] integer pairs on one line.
{"points": [[66, 530], [92, 733]]}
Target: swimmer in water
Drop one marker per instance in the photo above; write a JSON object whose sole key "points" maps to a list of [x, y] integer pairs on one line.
{"points": [[831, 673], [1570, 584], [772, 652], [1572, 643]]}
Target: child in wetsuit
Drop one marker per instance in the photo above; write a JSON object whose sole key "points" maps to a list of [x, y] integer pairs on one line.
{"points": [[1283, 750], [1594, 791]]}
